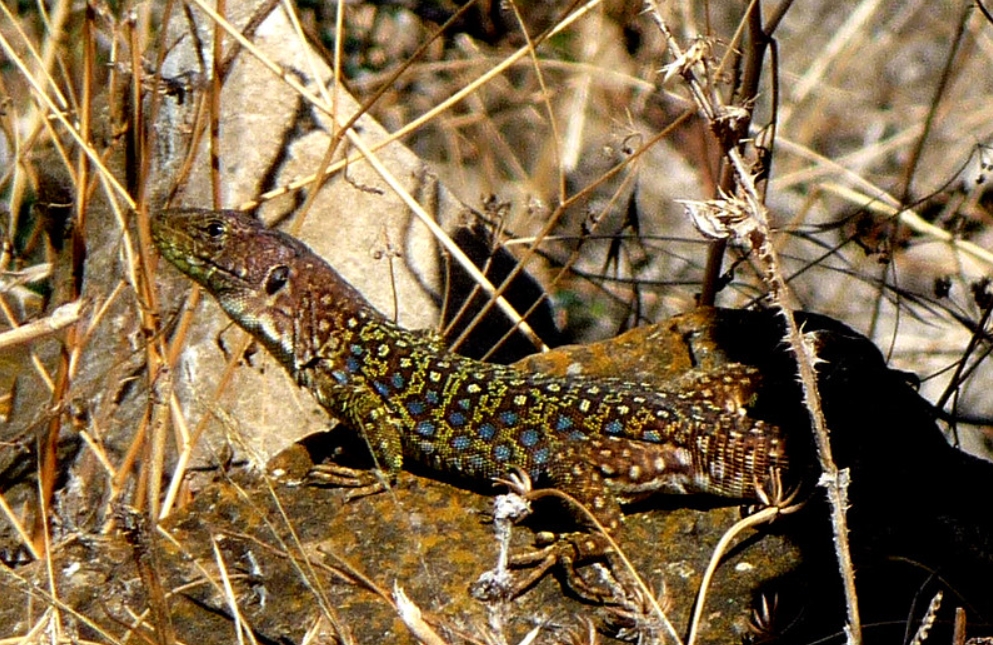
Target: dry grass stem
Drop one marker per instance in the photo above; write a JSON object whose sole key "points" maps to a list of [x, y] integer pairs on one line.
{"points": [[833, 158]]}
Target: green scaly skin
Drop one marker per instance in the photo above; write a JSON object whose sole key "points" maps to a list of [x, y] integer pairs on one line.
{"points": [[604, 441]]}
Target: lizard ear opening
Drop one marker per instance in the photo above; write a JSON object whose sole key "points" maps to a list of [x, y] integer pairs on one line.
{"points": [[277, 279]]}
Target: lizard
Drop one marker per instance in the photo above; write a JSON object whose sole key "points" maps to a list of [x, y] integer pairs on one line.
{"points": [[605, 441]]}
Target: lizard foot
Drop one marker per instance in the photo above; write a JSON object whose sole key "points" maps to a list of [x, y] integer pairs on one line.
{"points": [[360, 483], [569, 554], [585, 560]]}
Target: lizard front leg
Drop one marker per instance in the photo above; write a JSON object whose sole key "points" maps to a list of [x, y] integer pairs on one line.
{"points": [[357, 406]]}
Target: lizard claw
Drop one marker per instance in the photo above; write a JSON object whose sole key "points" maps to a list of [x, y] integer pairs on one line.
{"points": [[360, 483], [518, 481], [568, 553], [571, 553], [774, 494]]}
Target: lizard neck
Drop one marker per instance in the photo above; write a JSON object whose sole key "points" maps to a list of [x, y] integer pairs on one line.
{"points": [[334, 328], [315, 315]]}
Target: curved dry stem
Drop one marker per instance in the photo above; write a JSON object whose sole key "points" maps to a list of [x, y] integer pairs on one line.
{"points": [[765, 515]]}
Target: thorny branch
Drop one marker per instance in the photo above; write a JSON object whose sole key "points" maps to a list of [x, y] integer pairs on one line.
{"points": [[725, 218]]}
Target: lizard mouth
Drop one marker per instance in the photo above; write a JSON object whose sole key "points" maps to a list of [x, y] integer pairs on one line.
{"points": [[180, 251], [217, 277]]}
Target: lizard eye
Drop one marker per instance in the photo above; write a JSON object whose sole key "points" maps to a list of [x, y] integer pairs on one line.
{"points": [[277, 279], [214, 229]]}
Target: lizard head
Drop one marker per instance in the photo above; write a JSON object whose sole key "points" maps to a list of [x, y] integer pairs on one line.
{"points": [[262, 278], [232, 255]]}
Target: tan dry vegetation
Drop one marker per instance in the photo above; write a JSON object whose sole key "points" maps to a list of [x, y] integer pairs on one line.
{"points": [[574, 131]]}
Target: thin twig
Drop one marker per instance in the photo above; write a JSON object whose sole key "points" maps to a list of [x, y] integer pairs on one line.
{"points": [[62, 317]]}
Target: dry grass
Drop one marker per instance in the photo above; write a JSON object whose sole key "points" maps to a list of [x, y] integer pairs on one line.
{"points": [[861, 125]]}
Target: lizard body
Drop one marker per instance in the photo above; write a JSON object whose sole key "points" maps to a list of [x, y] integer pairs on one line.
{"points": [[602, 440]]}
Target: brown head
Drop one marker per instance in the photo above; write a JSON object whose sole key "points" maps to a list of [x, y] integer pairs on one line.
{"points": [[265, 280]]}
